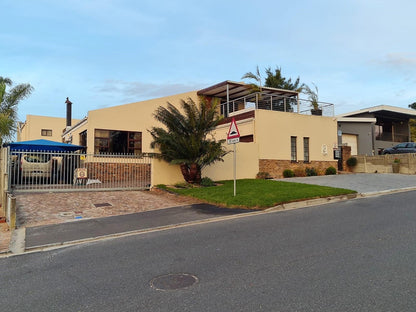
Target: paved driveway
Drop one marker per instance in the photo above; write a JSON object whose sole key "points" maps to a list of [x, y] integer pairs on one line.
{"points": [[362, 182]]}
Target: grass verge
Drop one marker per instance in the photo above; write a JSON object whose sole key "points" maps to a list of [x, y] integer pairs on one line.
{"points": [[259, 194]]}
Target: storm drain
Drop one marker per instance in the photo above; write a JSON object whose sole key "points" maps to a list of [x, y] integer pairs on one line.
{"points": [[102, 205], [173, 281]]}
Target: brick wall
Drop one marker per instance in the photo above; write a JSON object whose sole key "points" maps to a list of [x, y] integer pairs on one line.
{"points": [[276, 167], [114, 172], [346, 153]]}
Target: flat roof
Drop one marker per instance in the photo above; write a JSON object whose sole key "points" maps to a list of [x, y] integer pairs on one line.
{"points": [[411, 113], [240, 89]]}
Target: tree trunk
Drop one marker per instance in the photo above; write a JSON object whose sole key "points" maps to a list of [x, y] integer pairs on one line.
{"points": [[195, 173], [192, 173], [185, 172]]}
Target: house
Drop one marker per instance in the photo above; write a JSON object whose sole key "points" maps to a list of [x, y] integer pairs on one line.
{"points": [[42, 127], [277, 132], [370, 130]]}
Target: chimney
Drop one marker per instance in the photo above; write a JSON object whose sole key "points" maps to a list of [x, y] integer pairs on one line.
{"points": [[68, 113]]}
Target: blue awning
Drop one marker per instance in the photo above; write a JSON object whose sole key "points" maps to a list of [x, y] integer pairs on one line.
{"points": [[43, 145]]}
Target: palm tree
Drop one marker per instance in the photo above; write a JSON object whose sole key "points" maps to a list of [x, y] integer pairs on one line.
{"points": [[8, 106], [256, 87], [312, 96], [184, 140], [276, 80]]}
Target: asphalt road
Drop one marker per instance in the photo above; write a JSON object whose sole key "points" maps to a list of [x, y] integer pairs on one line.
{"points": [[358, 255]]}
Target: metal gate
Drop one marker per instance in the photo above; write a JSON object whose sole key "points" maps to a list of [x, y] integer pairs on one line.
{"points": [[30, 171]]}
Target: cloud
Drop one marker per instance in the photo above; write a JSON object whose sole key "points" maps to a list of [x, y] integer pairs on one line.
{"points": [[399, 61], [136, 91]]}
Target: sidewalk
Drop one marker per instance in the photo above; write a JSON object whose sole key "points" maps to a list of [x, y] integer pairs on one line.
{"points": [[49, 219], [58, 234]]}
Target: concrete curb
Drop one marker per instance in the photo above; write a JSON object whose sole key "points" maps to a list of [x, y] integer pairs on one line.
{"points": [[282, 207], [278, 208]]}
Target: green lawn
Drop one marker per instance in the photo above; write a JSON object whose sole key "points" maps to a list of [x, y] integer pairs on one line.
{"points": [[259, 194]]}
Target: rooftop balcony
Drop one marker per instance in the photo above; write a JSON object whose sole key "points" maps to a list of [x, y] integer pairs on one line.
{"points": [[238, 97], [260, 100]]}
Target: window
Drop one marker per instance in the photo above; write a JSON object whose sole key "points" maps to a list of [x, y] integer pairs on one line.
{"points": [[123, 142], [306, 149], [293, 151], [83, 138], [46, 132]]}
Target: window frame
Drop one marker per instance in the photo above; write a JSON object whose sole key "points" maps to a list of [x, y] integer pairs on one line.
{"points": [[293, 149], [306, 153], [46, 132]]}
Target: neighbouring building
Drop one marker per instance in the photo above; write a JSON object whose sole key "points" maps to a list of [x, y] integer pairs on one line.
{"points": [[42, 127], [277, 131], [368, 131]]}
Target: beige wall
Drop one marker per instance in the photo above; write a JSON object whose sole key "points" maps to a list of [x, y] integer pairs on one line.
{"points": [[271, 131], [247, 163], [31, 128], [274, 129], [131, 117]]}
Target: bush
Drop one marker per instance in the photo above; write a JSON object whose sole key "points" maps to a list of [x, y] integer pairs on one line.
{"points": [[311, 172], [207, 182], [287, 173], [299, 172], [330, 170], [263, 175], [351, 162]]}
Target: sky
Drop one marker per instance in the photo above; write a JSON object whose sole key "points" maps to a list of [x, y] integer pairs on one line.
{"points": [[101, 53]]}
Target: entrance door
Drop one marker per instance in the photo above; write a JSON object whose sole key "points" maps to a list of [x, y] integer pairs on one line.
{"points": [[351, 140]]}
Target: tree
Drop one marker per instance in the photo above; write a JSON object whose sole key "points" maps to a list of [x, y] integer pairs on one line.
{"points": [[8, 106], [256, 87], [184, 140], [412, 124], [276, 80], [312, 96]]}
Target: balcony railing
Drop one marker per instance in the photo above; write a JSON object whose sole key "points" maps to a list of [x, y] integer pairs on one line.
{"points": [[276, 103]]}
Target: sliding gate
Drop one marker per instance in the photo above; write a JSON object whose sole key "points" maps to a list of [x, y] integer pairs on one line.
{"points": [[30, 171]]}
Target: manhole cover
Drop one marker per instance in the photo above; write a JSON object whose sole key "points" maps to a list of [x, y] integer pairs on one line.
{"points": [[102, 205], [173, 281]]}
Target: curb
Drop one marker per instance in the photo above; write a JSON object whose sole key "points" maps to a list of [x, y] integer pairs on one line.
{"points": [[282, 207], [278, 208]]}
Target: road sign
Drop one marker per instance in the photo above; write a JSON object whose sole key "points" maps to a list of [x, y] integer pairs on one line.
{"points": [[233, 135]]}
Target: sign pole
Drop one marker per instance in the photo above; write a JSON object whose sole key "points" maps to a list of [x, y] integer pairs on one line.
{"points": [[233, 137], [235, 169]]}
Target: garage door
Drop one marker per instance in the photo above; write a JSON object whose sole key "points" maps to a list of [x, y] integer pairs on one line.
{"points": [[351, 140]]}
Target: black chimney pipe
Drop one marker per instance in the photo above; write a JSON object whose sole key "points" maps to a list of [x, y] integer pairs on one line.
{"points": [[68, 112]]}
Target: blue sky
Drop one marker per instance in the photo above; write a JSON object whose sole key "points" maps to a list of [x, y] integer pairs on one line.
{"points": [[100, 53]]}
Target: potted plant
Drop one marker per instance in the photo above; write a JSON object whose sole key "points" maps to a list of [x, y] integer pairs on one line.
{"points": [[313, 98], [396, 165]]}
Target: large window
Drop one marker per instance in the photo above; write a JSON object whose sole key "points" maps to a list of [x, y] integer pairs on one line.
{"points": [[120, 142], [306, 149], [293, 149]]}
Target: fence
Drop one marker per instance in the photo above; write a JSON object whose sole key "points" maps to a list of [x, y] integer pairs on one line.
{"points": [[30, 171], [383, 163]]}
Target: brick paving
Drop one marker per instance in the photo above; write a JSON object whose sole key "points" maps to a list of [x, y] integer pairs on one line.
{"points": [[51, 208]]}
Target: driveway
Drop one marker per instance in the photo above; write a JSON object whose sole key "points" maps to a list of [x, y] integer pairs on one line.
{"points": [[361, 182]]}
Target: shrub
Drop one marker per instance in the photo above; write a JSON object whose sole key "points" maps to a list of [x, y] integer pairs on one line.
{"points": [[287, 173], [396, 160], [330, 170], [311, 172], [263, 175], [351, 162], [299, 172], [207, 182]]}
